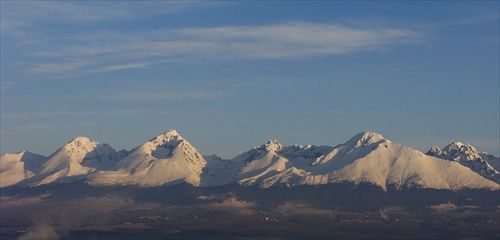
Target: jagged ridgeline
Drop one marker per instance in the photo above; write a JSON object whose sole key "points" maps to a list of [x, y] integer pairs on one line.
{"points": [[169, 159]]}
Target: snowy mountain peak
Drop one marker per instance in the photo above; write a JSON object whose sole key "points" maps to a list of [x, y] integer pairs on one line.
{"points": [[172, 132], [456, 151], [273, 145], [434, 151], [165, 159], [78, 157], [82, 142], [80, 146], [468, 156], [460, 147], [168, 137], [365, 138]]}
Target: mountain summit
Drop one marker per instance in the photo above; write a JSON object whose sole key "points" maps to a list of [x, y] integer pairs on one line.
{"points": [[272, 145], [467, 155], [165, 159], [76, 159], [365, 138]]}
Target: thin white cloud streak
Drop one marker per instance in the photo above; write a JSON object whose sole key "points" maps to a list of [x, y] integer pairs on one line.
{"points": [[291, 40], [121, 67], [279, 41], [57, 68], [286, 41]]}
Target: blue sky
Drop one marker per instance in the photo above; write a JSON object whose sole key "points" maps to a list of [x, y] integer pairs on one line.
{"points": [[231, 75]]}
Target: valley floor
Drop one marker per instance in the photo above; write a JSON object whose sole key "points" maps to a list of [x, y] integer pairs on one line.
{"points": [[242, 213], [295, 227]]}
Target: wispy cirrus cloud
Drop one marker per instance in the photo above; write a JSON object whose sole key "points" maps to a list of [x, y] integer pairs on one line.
{"points": [[292, 40], [54, 39], [113, 68], [112, 51]]}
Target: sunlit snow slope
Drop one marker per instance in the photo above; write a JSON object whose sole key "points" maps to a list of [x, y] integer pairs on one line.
{"points": [[15, 167]]}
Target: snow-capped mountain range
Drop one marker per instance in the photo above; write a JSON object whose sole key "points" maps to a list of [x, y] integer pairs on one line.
{"points": [[170, 159]]}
